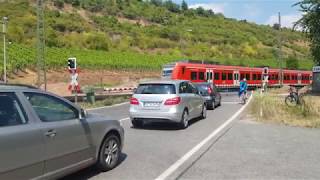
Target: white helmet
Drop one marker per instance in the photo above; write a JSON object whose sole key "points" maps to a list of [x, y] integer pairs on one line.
{"points": [[244, 79]]}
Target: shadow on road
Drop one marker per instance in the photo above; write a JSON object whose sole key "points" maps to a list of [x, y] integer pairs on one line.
{"points": [[91, 171], [165, 126]]}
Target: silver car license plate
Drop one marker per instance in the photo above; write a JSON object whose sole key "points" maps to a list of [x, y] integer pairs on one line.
{"points": [[152, 104]]}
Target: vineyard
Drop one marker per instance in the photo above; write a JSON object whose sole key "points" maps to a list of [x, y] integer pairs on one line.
{"points": [[21, 57]]}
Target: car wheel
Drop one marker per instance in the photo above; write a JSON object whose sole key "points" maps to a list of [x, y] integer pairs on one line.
{"points": [[137, 123], [204, 112], [184, 120], [212, 106], [219, 102], [109, 153]]}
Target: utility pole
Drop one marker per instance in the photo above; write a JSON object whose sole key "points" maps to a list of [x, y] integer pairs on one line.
{"points": [[280, 51], [41, 65], [4, 30]]}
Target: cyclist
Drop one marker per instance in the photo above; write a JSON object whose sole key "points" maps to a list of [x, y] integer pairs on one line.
{"points": [[243, 88]]}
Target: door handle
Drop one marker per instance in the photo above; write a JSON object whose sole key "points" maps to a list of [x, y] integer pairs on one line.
{"points": [[51, 133]]}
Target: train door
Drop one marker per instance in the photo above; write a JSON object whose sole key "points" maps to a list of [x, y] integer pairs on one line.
{"points": [[236, 78], [209, 74], [299, 78]]}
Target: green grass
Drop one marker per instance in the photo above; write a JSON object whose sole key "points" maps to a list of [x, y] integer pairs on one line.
{"points": [[106, 102], [271, 108]]}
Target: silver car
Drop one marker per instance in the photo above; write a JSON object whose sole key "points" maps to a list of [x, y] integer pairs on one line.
{"points": [[166, 101], [43, 136]]}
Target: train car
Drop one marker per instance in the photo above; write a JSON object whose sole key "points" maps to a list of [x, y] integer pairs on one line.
{"points": [[230, 76]]}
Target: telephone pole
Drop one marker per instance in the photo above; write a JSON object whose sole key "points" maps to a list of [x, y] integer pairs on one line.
{"points": [[41, 65], [280, 51], [4, 30]]}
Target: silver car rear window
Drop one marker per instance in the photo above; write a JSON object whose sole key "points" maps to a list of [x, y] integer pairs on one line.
{"points": [[156, 89]]}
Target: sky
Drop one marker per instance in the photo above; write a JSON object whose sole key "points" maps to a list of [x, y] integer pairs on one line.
{"points": [[258, 11]]}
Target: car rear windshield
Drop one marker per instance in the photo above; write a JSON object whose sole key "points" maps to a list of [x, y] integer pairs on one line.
{"points": [[156, 89], [203, 88]]}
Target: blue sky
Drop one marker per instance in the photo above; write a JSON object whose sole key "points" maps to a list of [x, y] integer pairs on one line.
{"points": [[258, 11]]}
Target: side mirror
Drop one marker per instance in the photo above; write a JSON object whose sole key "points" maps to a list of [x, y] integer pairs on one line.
{"points": [[82, 114]]}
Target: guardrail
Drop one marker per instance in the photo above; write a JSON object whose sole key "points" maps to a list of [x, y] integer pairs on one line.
{"points": [[83, 97]]}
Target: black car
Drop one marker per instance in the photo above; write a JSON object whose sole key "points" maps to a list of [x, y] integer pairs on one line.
{"points": [[210, 93]]}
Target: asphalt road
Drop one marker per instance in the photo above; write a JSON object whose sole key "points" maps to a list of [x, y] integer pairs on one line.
{"points": [[252, 150], [149, 152]]}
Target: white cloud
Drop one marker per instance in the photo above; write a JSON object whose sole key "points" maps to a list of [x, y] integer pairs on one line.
{"points": [[215, 7], [286, 20]]}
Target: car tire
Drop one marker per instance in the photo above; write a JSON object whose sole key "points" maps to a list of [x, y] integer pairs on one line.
{"points": [[184, 120], [137, 124], [211, 106], [109, 154], [204, 112], [219, 103]]}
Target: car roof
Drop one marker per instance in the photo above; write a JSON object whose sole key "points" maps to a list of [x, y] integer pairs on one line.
{"points": [[16, 87], [164, 82]]}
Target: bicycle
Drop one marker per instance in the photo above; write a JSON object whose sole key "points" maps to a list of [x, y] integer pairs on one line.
{"points": [[243, 98], [294, 98]]}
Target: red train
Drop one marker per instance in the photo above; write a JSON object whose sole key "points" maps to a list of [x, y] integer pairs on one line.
{"points": [[230, 76]]}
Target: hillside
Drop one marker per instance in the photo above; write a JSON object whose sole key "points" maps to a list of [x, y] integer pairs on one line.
{"points": [[135, 34]]}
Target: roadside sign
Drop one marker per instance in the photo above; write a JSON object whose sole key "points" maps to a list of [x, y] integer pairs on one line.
{"points": [[316, 79], [316, 69]]}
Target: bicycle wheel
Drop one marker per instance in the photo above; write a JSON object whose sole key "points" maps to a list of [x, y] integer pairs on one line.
{"points": [[291, 101], [301, 99]]}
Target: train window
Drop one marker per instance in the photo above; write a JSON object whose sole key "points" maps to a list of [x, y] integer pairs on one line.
{"points": [[193, 75], [276, 77], [216, 76], [292, 77], [248, 76], [236, 76], [201, 75], [230, 76], [259, 76], [241, 76], [224, 76], [183, 70], [211, 75], [284, 77], [254, 77]]}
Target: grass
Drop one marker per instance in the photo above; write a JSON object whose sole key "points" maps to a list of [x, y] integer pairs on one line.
{"points": [[106, 102], [271, 108]]}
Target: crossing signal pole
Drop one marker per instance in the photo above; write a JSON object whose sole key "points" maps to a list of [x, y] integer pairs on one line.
{"points": [[41, 65]]}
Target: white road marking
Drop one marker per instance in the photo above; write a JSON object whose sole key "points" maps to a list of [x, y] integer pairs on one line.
{"points": [[107, 107], [124, 119], [189, 154]]}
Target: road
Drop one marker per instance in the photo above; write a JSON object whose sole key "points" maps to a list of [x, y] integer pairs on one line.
{"points": [[154, 150]]}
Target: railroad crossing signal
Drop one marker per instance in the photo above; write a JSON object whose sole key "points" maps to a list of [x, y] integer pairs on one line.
{"points": [[72, 67], [72, 63]]}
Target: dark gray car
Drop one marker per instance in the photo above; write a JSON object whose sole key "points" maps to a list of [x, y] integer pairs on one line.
{"points": [[43, 136], [210, 93]]}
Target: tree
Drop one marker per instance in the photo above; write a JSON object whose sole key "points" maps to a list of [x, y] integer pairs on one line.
{"points": [[171, 6], [310, 24], [156, 2], [184, 6]]}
